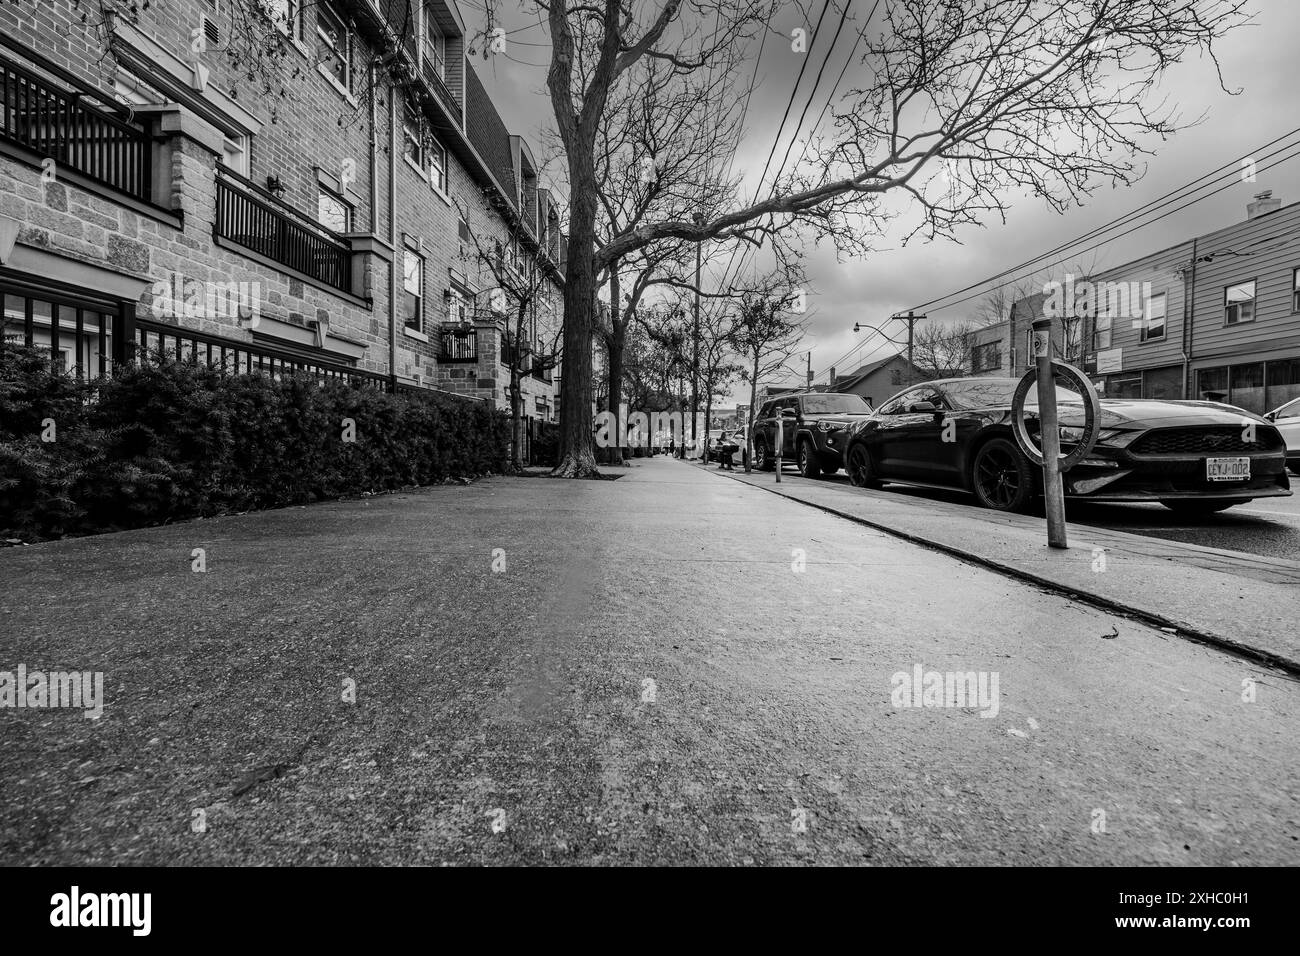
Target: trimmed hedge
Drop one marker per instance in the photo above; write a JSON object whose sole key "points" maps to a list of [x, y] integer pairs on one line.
{"points": [[169, 440]]}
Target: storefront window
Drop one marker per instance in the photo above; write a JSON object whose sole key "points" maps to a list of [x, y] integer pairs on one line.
{"points": [[1164, 383], [1283, 382], [1212, 384], [1246, 384]]}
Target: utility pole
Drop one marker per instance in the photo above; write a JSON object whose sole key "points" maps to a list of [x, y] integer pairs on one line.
{"points": [[695, 352], [810, 381], [911, 318]]}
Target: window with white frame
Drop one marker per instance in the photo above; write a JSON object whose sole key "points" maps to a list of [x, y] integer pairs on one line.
{"points": [[435, 44], [457, 308], [1295, 290], [412, 133], [412, 289], [1153, 318], [334, 45], [234, 154], [437, 166], [333, 211], [1239, 303]]}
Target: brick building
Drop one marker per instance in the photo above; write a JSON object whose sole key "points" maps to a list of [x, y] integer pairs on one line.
{"points": [[157, 190]]}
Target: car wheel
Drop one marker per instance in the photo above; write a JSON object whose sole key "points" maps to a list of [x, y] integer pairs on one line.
{"points": [[1002, 477], [809, 466], [1201, 506], [762, 460], [861, 472]]}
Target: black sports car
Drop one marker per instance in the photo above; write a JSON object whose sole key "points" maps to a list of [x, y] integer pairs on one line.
{"points": [[1190, 456]]}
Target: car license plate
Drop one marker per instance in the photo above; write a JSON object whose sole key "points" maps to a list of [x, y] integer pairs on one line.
{"points": [[1227, 469]]}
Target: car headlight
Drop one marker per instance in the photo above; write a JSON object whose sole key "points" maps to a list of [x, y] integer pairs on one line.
{"points": [[827, 426], [1072, 436]]}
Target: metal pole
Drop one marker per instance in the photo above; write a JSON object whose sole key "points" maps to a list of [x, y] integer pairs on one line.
{"points": [[1049, 435], [911, 368], [780, 443], [695, 359]]}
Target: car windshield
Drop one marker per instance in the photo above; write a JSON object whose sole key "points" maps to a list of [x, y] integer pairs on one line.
{"points": [[835, 405], [996, 392]]}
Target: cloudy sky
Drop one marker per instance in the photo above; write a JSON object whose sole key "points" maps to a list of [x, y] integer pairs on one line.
{"points": [[1259, 58]]}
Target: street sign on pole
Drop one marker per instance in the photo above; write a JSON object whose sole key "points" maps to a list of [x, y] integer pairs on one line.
{"points": [[1049, 430]]}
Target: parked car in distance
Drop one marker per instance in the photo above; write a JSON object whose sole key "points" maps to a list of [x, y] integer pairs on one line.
{"points": [[815, 429], [1191, 456], [735, 436], [1286, 419]]}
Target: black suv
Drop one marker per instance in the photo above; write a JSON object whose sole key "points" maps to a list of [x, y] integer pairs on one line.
{"points": [[816, 429]]}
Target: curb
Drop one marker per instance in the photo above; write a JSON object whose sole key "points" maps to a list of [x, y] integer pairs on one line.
{"points": [[1180, 629]]}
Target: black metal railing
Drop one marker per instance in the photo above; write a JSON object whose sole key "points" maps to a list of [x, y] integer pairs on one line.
{"points": [[159, 340], [254, 218], [459, 345], [435, 82], [59, 124]]}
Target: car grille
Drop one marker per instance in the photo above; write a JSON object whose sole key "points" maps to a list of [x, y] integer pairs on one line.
{"points": [[1205, 441]]}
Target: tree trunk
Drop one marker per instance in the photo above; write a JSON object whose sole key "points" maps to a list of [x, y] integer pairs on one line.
{"points": [[617, 338], [576, 452], [749, 428]]}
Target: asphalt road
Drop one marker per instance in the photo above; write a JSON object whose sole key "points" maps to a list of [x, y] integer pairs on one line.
{"points": [[650, 678], [1266, 526]]}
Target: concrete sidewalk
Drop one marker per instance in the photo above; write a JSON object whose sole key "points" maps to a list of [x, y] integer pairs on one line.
{"points": [[668, 668], [1241, 601]]}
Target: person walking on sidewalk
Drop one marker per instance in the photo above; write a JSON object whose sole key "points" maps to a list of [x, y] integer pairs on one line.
{"points": [[726, 449]]}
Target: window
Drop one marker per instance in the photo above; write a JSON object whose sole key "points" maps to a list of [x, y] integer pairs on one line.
{"points": [[412, 138], [333, 211], [986, 356], [1100, 333], [1283, 383], [1163, 383], [1295, 290], [334, 46], [435, 45], [1153, 322], [286, 15], [1127, 386], [1246, 387], [234, 154], [899, 403], [457, 310], [1212, 384], [1072, 338], [1239, 303], [412, 288], [437, 166]]}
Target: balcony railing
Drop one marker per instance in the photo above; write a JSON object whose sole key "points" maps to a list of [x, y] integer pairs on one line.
{"points": [[459, 345], [433, 71], [252, 217], [58, 124]]}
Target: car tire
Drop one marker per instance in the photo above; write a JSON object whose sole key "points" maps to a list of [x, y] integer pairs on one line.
{"points": [[1201, 506], [763, 461], [806, 457], [1002, 477], [861, 472]]}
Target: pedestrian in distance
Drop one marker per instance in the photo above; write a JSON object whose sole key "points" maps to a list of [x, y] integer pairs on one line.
{"points": [[726, 449]]}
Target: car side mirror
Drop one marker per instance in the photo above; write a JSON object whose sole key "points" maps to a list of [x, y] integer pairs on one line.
{"points": [[789, 413], [1271, 417], [920, 407]]}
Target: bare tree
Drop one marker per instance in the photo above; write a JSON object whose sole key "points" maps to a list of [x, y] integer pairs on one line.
{"points": [[765, 334], [525, 285], [940, 350], [1057, 98]]}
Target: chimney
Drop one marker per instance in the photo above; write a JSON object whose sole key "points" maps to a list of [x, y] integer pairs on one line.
{"points": [[1264, 203], [832, 378]]}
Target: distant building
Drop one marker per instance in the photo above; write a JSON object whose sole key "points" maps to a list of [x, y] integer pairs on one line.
{"points": [[875, 382], [1216, 316]]}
